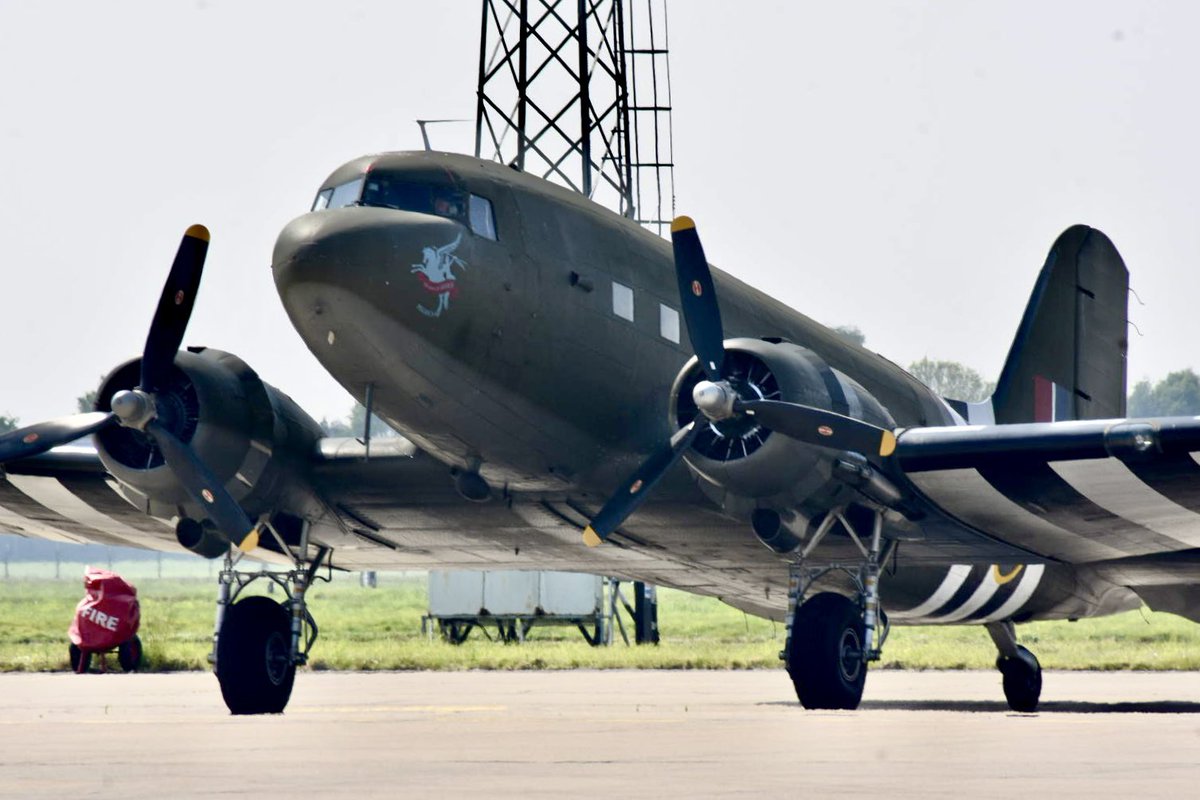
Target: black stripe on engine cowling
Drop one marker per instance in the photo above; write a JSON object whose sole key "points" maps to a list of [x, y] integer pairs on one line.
{"points": [[837, 397]]}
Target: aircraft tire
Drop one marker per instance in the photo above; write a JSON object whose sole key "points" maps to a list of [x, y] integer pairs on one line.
{"points": [[254, 665], [1022, 680], [825, 662], [129, 654]]}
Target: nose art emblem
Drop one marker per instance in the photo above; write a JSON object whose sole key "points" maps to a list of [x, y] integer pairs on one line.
{"points": [[436, 273]]}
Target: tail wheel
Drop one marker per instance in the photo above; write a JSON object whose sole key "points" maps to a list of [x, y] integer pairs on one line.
{"points": [[254, 657], [1022, 680], [80, 661], [129, 654], [825, 660]]}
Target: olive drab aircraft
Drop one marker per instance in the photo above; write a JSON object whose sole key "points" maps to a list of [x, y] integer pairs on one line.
{"points": [[549, 363]]}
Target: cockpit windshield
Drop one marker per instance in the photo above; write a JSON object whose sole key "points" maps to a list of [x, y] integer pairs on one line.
{"points": [[405, 194], [340, 196]]}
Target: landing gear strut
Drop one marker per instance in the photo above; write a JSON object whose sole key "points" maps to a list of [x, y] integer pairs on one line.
{"points": [[832, 638], [1020, 668], [257, 642]]}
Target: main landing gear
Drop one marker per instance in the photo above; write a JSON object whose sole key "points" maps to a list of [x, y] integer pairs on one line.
{"points": [[832, 638], [258, 642], [1020, 668]]}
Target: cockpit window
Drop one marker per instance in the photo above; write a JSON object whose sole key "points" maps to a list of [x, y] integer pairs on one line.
{"points": [[346, 194], [483, 222], [322, 201], [424, 198]]}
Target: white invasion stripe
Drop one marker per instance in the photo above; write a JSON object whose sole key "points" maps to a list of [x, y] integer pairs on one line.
{"points": [[987, 588], [1020, 596], [10, 520], [1111, 485], [966, 495], [53, 495], [955, 577]]}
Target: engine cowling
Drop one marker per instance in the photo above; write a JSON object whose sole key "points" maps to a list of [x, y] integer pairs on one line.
{"points": [[253, 438], [744, 465]]}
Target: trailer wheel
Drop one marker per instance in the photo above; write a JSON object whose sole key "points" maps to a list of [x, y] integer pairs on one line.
{"points": [[80, 661], [129, 654]]}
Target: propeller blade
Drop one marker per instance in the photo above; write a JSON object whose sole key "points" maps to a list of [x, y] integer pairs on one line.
{"points": [[820, 427], [174, 309], [634, 491], [220, 506], [698, 298], [35, 439]]}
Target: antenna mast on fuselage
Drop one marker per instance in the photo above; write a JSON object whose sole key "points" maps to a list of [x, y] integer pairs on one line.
{"points": [[580, 94]]}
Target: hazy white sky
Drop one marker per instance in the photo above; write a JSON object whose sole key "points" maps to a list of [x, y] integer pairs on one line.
{"points": [[899, 166]]}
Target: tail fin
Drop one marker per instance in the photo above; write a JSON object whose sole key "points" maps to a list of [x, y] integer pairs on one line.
{"points": [[1068, 358]]}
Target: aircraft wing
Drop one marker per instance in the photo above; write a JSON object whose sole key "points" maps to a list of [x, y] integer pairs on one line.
{"points": [[1077, 492]]}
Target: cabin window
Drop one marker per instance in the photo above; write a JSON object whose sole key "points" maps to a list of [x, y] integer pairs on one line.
{"points": [[322, 201], [483, 222], [622, 301], [346, 194], [668, 323]]}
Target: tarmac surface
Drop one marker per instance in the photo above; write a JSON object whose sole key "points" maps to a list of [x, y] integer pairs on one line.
{"points": [[587, 733]]}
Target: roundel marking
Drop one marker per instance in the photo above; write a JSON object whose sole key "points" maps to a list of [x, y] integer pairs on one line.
{"points": [[825, 430], [30, 438], [697, 289], [1003, 578], [179, 296], [636, 487], [207, 495]]}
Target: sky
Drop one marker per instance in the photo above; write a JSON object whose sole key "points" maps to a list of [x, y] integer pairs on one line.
{"points": [[901, 167]]}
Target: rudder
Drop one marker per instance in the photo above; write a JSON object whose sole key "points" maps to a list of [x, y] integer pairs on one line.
{"points": [[1067, 360]]}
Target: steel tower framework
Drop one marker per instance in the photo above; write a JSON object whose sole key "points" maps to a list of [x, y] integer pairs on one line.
{"points": [[579, 92]]}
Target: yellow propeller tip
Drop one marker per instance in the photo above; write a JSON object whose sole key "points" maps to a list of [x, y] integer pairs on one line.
{"points": [[887, 445], [682, 224], [250, 542], [590, 538], [198, 232]]}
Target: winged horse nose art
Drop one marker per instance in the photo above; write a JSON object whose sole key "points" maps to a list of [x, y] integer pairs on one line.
{"points": [[437, 276]]}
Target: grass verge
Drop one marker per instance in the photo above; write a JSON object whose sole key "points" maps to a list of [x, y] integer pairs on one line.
{"points": [[380, 629]]}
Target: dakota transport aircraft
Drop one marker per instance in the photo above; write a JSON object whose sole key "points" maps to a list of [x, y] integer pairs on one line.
{"points": [[549, 363]]}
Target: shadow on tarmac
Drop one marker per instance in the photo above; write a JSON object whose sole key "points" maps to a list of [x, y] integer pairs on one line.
{"points": [[1001, 707]]}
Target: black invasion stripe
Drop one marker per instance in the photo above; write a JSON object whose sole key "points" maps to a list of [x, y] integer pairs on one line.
{"points": [[978, 573], [22, 504], [95, 491], [1175, 477], [1001, 596], [1040, 490], [837, 397]]}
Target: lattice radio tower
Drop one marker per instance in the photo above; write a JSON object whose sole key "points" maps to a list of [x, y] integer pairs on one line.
{"points": [[579, 92]]}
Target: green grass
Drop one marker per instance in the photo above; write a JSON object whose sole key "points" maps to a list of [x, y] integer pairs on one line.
{"points": [[367, 629]]}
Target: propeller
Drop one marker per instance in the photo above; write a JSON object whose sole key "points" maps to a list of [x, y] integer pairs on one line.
{"points": [[136, 408], [634, 491], [717, 399]]}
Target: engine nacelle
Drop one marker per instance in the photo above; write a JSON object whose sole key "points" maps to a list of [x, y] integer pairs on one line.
{"points": [[745, 464], [253, 438]]}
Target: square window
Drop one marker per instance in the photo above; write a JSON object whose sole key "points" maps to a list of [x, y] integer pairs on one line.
{"points": [[622, 301], [668, 323]]}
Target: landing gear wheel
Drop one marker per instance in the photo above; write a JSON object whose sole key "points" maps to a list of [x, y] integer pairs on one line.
{"points": [[254, 657], [129, 654], [80, 661], [1022, 680], [825, 660]]}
